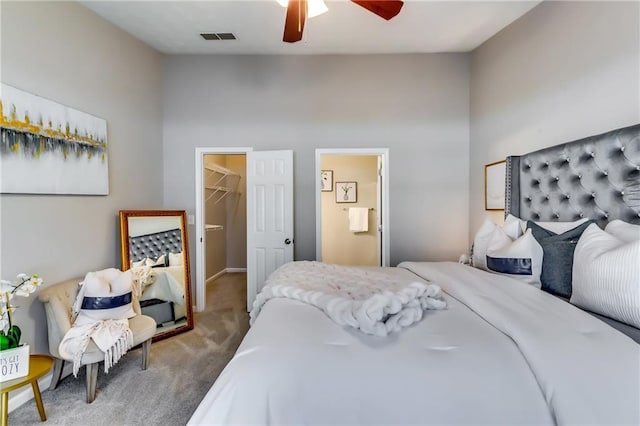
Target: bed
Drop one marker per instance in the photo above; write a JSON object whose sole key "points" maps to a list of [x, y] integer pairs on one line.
{"points": [[163, 294], [502, 352]]}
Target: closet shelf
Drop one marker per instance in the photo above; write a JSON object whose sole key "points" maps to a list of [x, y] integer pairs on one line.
{"points": [[223, 170], [209, 227], [223, 181]]}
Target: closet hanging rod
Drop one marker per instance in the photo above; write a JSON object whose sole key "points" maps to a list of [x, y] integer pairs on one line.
{"points": [[346, 209]]}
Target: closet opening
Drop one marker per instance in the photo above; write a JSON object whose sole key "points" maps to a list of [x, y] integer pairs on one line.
{"points": [[221, 221]]}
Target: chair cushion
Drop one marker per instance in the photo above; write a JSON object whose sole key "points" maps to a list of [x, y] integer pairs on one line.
{"points": [[143, 328]]}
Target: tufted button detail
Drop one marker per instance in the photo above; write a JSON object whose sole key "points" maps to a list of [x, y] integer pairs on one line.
{"points": [[557, 178], [605, 173], [606, 215], [546, 196], [592, 154], [622, 149], [579, 176], [593, 195], [581, 215], [621, 193], [568, 196]]}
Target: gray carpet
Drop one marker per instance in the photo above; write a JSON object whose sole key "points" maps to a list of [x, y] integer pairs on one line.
{"points": [[181, 371]]}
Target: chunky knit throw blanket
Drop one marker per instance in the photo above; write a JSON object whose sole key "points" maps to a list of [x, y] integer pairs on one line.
{"points": [[368, 300]]}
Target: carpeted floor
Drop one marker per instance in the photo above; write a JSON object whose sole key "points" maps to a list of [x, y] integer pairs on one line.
{"points": [[181, 371]]}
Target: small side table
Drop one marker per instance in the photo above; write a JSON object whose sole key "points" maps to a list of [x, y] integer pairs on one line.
{"points": [[39, 365]]}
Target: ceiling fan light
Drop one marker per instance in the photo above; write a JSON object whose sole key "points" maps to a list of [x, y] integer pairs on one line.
{"points": [[315, 8]]}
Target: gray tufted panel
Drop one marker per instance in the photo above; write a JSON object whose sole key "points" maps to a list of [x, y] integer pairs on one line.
{"points": [[596, 177], [155, 245]]}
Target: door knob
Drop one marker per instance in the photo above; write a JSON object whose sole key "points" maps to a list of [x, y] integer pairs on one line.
{"points": [[287, 241]]}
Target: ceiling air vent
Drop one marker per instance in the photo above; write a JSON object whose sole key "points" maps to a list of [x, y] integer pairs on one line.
{"points": [[218, 36]]}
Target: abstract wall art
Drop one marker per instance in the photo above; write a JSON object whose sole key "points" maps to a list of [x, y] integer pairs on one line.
{"points": [[49, 148]]}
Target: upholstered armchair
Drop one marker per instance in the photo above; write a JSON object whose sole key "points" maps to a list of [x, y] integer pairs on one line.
{"points": [[58, 302]]}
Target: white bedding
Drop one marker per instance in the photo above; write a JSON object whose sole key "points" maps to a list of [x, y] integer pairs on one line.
{"points": [[167, 283], [514, 355]]}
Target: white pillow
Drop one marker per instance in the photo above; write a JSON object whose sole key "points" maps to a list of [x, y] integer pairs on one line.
{"points": [[139, 263], [624, 231], [606, 276], [511, 227], [161, 261], [105, 295], [520, 258], [175, 259], [555, 227]]}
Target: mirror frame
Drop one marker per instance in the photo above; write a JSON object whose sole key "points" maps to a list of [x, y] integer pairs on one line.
{"points": [[124, 260]]}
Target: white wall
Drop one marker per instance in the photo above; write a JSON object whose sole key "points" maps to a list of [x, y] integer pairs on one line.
{"points": [[64, 52], [417, 105], [563, 71]]}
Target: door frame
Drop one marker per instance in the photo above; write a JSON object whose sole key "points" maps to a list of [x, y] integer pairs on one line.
{"points": [[200, 289], [383, 204]]}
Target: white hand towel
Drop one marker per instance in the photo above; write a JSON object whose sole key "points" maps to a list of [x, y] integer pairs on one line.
{"points": [[359, 219]]}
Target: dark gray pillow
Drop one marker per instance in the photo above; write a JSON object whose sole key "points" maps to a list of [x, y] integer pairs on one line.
{"points": [[557, 262]]}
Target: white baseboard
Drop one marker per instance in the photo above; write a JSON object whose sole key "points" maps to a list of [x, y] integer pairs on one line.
{"points": [[23, 395], [224, 271], [214, 276]]}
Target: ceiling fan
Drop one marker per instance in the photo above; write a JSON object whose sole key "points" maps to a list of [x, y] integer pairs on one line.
{"points": [[299, 10]]}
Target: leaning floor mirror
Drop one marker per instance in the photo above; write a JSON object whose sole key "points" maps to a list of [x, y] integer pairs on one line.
{"points": [[157, 241]]}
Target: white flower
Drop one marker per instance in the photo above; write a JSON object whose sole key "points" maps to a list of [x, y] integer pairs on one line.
{"points": [[22, 276], [5, 286], [4, 324]]}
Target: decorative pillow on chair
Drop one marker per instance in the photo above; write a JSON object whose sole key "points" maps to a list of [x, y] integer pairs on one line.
{"points": [[557, 262], [520, 258], [105, 294], [606, 276]]}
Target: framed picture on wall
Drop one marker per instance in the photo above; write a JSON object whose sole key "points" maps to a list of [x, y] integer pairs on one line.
{"points": [[326, 180], [494, 184], [346, 192]]}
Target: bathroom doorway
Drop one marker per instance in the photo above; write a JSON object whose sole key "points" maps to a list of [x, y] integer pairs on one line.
{"points": [[352, 206]]}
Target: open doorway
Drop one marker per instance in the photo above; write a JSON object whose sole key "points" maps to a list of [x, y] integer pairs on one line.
{"points": [[352, 206], [239, 189], [220, 216]]}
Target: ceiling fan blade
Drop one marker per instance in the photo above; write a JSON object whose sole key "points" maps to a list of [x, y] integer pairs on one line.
{"points": [[294, 22], [386, 9]]}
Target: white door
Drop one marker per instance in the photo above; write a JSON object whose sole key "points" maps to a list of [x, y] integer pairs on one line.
{"points": [[269, 216]]}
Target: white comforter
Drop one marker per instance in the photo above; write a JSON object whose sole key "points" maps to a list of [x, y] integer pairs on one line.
{"points": [[501, 353]]}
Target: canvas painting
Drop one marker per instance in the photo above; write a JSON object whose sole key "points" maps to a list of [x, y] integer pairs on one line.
{"points": [[48, 148]]}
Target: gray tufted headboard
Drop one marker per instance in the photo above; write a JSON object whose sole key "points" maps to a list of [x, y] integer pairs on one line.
{"points": [[155, 245], [596, 177]]}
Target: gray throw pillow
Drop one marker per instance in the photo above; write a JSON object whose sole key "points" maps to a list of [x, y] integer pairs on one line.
{"points": [[557, 262]]}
